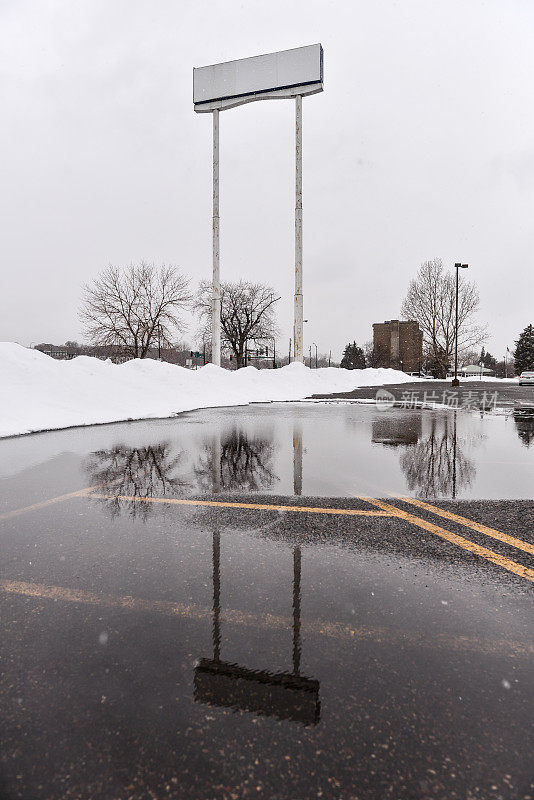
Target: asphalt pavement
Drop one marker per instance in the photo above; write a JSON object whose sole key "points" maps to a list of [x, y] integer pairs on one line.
{"points": [[160, 641], [502, 393]]}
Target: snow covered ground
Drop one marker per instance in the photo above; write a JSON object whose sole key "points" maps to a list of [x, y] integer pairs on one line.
{"points": [[40, 393]]}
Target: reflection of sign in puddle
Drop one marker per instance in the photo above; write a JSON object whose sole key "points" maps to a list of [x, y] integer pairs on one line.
{"points": [[281, 695], [286, 695]]}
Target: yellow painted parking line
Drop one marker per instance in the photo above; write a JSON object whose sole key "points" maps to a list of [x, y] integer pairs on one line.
{"points": [[465, 544], [44, 503], [256, 506], [317, 627], [470, 523], [386, 510]]}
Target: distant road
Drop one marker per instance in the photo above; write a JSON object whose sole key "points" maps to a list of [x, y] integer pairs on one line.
{"points": [[508, 394]]}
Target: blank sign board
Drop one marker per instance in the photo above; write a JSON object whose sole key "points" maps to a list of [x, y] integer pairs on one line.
{"points": [[259, 75]]}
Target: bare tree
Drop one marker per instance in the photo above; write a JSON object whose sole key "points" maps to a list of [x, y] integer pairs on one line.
{"points": [[135, 308], [431, 302], [368, 350], [247, 312]]}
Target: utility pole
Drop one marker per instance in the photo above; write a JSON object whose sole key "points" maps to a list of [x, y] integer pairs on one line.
{"points": [[455, 381]]}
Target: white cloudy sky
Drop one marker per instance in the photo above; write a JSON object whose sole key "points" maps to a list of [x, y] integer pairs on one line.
{"points": [[421, 146]]}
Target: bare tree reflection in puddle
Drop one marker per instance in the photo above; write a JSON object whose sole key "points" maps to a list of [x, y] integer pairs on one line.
{"points": [[437, 466], [284, 695], [524, 423], [236, 462], [136, 472]]}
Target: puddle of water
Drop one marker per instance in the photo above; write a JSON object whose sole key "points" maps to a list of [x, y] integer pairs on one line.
{"points": [[297, 449], [206, 651]]}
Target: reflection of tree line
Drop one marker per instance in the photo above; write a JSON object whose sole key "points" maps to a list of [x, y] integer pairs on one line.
{"points": [[524, 422], [136, 472], [240, 462], [232, 462], [437, 465], [433, 466]]}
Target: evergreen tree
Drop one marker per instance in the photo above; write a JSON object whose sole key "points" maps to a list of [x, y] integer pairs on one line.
{"points": [[353, 357], [524, 351], [488, 360]]}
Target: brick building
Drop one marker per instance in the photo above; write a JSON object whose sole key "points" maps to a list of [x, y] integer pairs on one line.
{"points": [[398, 344]]}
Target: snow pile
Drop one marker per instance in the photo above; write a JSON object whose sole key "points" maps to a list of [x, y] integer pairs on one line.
{"points": [[39, 393]]}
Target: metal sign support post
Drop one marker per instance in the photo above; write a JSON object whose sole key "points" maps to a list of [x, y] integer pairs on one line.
{"points": [[298, 325], [287, 74], [216, 285]]}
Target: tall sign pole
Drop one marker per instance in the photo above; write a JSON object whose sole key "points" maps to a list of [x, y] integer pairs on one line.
{"points": [[216, 282], [288, 74], [299, 305]]}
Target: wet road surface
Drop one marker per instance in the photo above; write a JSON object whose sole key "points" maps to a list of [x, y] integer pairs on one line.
{"points": [[474, 392], [241, 604]]}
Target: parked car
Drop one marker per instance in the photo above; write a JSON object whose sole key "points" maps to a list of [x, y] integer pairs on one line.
{"points": [[526, 378]]}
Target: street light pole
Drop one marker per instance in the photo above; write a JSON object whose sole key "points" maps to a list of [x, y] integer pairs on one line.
{"points": [[455, 381], [315, 355]]}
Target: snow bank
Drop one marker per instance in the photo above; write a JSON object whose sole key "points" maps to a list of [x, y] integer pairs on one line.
{"points": [[39, 393]]}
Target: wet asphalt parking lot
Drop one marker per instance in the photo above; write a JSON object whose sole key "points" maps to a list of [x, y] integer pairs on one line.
{"points": [[277, 601], [504, 394]]}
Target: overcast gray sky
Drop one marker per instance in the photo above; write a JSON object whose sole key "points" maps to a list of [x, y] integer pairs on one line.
{"points": [[421, 146]]}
